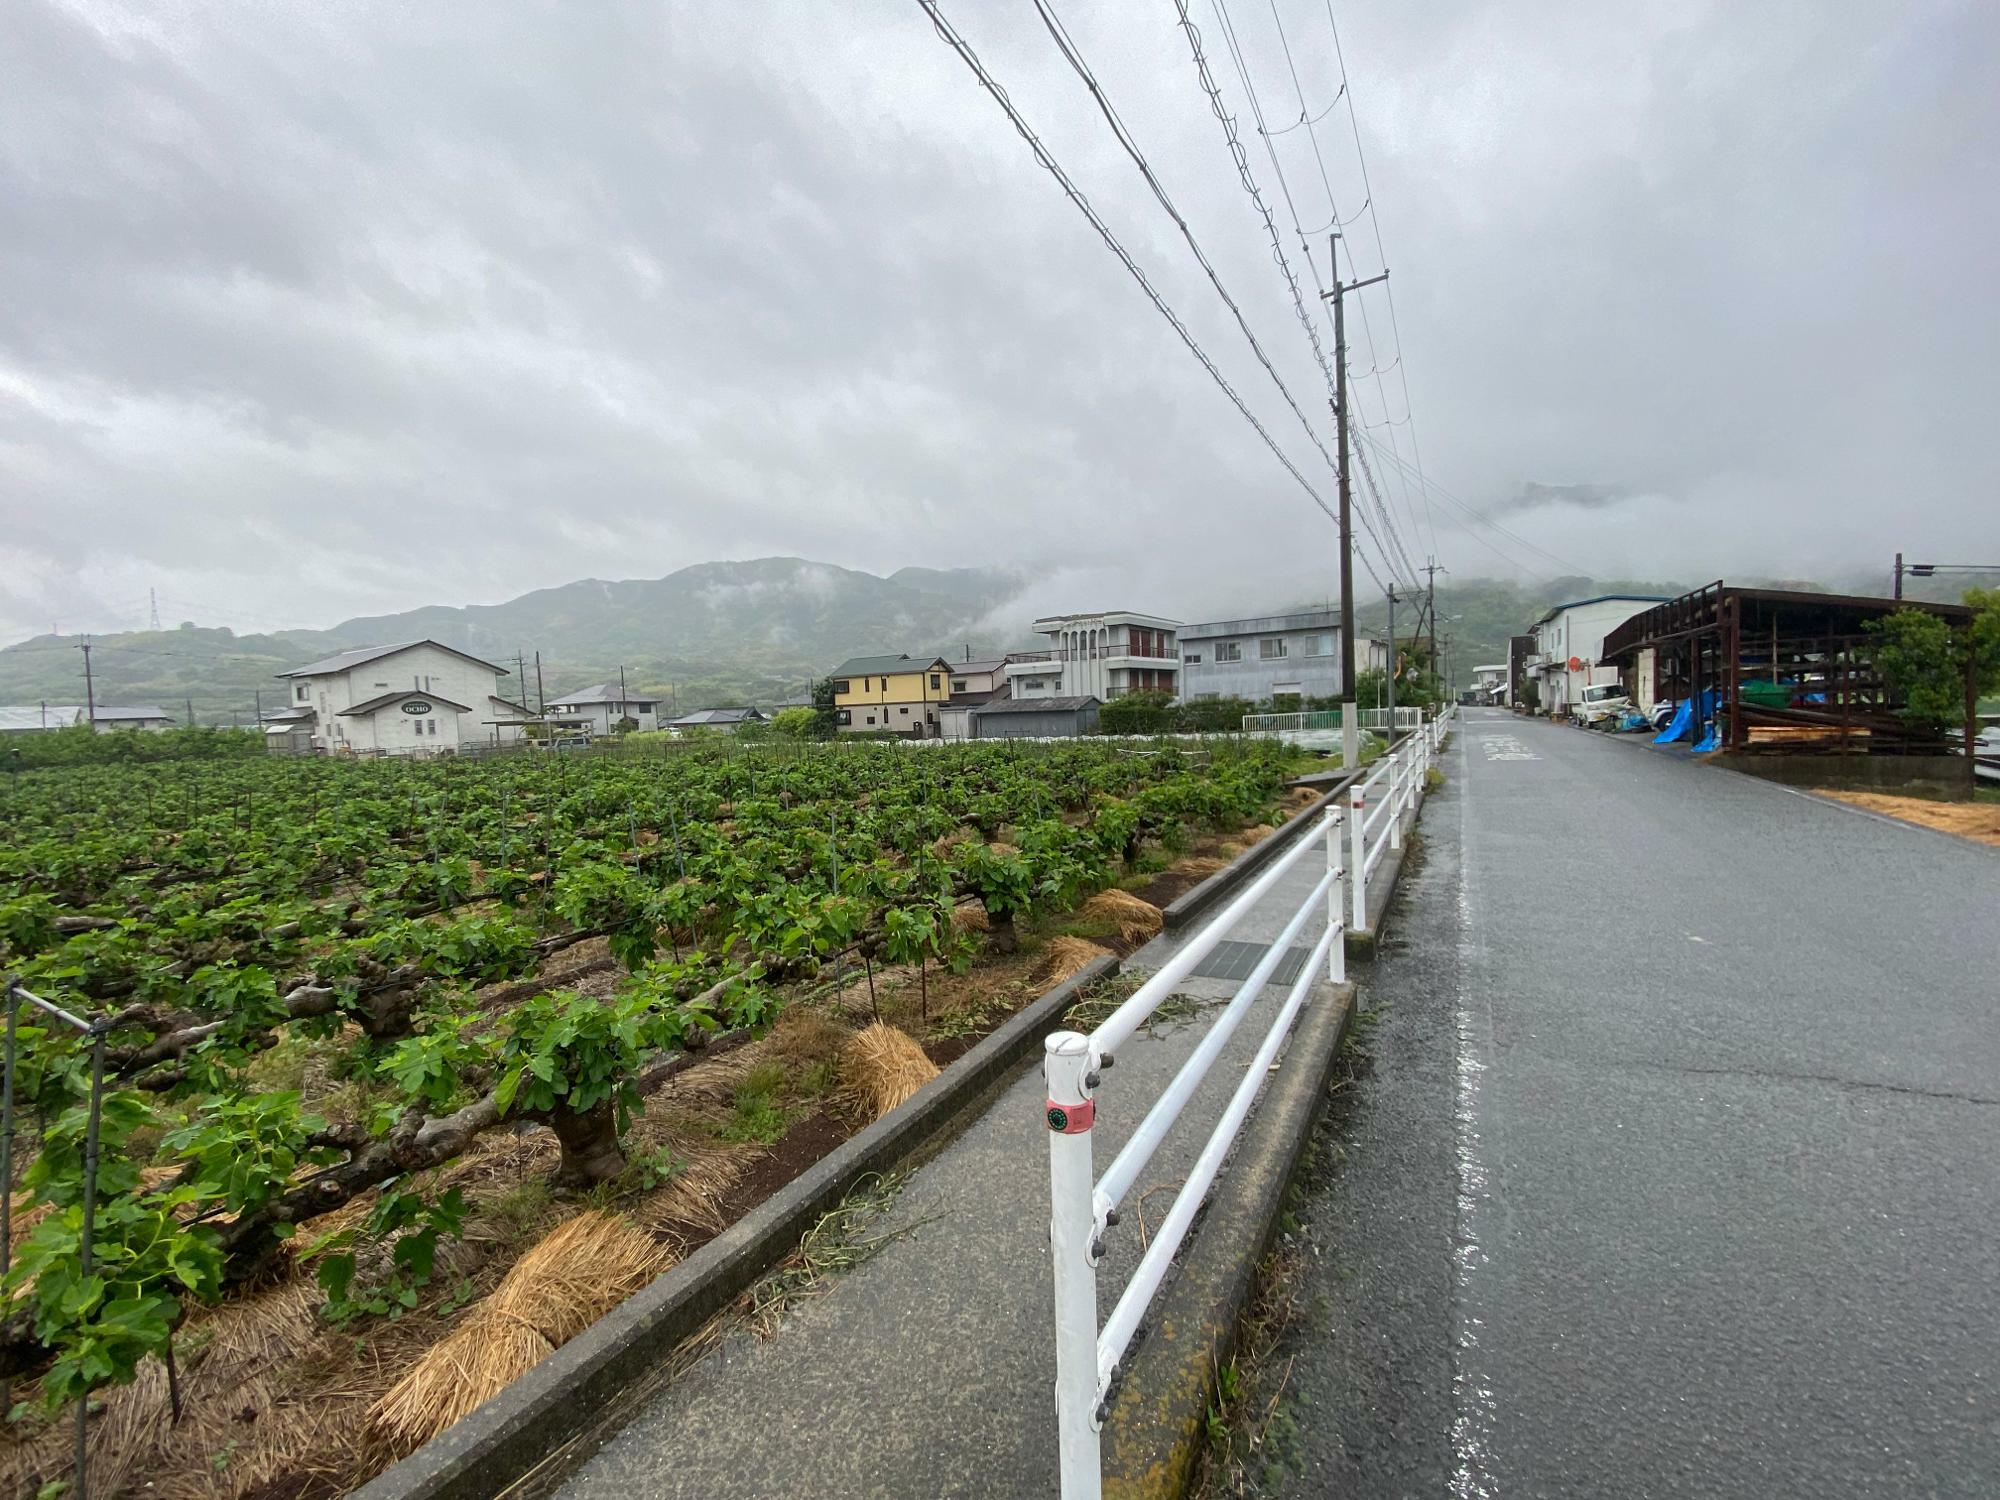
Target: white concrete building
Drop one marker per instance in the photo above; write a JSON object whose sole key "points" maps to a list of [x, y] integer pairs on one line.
{"points": [[603, 708], [398, 700], [150, 718], [1103, 656], [1267, 656], [1569, 639], [1490, 682]]}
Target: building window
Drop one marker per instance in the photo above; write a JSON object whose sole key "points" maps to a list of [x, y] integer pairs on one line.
{"points": [[843, 718], [434, 728], [958, 684], [937, 681], [303, 691], [871, 721], [1320, 644], [1271, 648], [1191, 658], [1229, 651], [842, 685], [906, 710]]}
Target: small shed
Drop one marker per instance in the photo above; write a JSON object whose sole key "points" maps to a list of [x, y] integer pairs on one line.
{"points": [[1034, 718]]}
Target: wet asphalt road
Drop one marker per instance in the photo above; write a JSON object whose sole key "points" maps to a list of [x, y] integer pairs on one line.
{"points": [[1677, 1169]]}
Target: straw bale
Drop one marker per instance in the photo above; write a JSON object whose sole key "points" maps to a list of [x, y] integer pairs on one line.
{"points": [[881, 1067]]}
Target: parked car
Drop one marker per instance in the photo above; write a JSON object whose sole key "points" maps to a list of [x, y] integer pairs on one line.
{"points": [[1663, 713], [1602, 702]]}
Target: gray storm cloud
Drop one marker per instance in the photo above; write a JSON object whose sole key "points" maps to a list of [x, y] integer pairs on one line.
{"points": [[318, 311]]}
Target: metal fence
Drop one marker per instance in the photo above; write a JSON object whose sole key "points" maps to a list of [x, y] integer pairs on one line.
{"points": [[1083, 1206], [95, 1031], [1408, 719]]}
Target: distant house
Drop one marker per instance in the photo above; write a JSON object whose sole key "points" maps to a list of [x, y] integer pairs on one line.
{"points": [[1489, 684], [897, 694], [150, 718], [409, 699], [716, 718], [1035, 718], [603, 709], [33, 718], [974, 683]]}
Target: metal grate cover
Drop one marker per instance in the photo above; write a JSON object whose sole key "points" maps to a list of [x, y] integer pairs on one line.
{"points": [[1231, 960]]}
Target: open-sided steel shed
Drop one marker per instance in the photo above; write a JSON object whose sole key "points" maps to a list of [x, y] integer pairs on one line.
{"points": [[1783, 671]]}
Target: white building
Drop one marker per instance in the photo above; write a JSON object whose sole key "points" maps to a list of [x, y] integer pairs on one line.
{"points": [[1269, 656], [603, 709], [1102, 656], [1490, 682], [417, 697], [1569, 640], [148, 717], [33, 718]]}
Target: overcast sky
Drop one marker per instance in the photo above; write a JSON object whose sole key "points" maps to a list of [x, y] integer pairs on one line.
{"points": [[310, 310]]}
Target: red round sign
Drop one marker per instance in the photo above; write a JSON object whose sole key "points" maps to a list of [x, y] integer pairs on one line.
{"points": [[1576, 664]]}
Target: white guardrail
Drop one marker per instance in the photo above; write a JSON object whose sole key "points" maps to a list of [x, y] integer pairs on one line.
{"points": [[1408, 720], [1084, 1206]]}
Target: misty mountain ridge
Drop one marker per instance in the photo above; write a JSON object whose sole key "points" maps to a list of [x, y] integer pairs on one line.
{"points": [[707, 635], [721, 633]]}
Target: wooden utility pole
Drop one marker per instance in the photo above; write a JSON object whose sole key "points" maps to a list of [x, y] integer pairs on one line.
{"points": [[541, 699], [1337, 296], [89, 687]]}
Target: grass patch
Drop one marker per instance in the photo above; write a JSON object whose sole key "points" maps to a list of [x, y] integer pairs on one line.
{"points": [[523, 1206], [760, 1115]]}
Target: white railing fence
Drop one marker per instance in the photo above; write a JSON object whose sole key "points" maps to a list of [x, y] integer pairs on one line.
{"points": [[1408, 720], [1084, 1206]]}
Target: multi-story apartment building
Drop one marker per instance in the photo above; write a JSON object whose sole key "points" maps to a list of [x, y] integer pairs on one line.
{"points": [[1268, 656], [1103, 656], [900, 694]]}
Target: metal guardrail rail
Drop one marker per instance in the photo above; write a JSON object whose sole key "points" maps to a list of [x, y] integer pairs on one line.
{"points": [[1083, 1206]]}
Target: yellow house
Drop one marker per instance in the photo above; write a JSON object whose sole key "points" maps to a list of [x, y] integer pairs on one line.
{"points": [[900, 694]]}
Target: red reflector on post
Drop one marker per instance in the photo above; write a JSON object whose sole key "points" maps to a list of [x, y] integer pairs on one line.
{"points": [[1072, 1119]]}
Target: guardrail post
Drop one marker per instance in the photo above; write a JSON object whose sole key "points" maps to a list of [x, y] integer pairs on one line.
{"points": [[1397, 793], [1357, 861], [1069, 1116], [1336, 953]]}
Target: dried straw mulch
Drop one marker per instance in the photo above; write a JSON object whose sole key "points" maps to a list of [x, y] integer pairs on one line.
{"points": [[1064, 956], [1136, 920], [881, 1067], [574, 1276]]}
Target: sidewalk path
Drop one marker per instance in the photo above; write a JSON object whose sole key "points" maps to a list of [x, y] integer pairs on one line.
{"points": [[929, 1370]]}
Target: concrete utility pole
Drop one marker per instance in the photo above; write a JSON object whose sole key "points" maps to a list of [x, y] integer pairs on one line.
{"points": [[259, 693], [521, 677], [1393, 664], [541, 701], [1350, 742], [1899, 577], [188, 704], [1431, 571], [89, 687], [621, 687]]}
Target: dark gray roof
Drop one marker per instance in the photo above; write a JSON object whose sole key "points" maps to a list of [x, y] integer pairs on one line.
{"points": [[984, 664], [343, 660], [402, 695], [716, 716], [978, 699], [604, 692], [1035, 705], [109, 713], [886, 666]]}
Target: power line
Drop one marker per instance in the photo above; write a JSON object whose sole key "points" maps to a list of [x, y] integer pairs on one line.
{"points": [[1074, 57], [958, 44], [1227, 27], [1333, 208], [1471, 513], [1395, 549]]}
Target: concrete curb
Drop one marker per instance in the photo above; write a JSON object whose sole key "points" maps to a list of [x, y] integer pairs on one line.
{"points": [[569, 1393], [1158, 1416], [1196, 900]]}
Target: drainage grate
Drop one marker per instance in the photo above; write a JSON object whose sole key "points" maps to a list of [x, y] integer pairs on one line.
{"points": [[1235, 961]]}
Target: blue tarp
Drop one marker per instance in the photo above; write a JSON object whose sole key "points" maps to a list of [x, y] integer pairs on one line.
{"points": [[1681, 726], [1677, 726]]}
